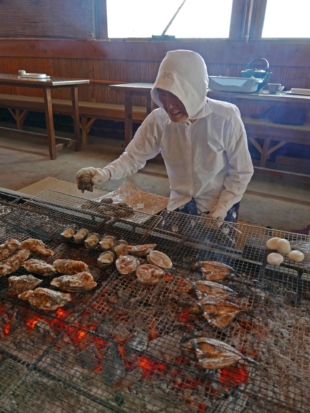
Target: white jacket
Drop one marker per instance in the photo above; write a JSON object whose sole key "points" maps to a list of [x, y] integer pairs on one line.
{"points": [[208, 159]]}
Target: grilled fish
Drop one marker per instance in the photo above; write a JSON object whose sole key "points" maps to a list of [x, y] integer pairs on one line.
{"points": [[81, 281], [39, 267], [70, 267], [18, 285], [36, 246], [212, 289], [14, 262], [45, 299], [214, 270], [8, 248]]}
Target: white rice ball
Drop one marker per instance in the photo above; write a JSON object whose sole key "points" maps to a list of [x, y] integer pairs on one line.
{"points": [[272, 243], [274, 258], [283, 246], [296, 256]]}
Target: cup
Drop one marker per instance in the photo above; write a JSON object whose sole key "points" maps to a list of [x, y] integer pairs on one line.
{"points": [[21, 72], [275, 87]]}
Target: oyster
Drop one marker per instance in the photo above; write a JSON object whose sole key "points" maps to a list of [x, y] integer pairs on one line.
{"points": [[14, 262], [84, 182], [107, 242], [149, 274], [140, 250], [106, 259], [67, 234], [120, 247], [92, 241], [214, 270], [160, 259], [106, 201], [39, 267], [18, 285], [80, 236], [126, 264], [213, 354], [36, 246], [70, 267], [8, 248], [45, 299], [81, 281]]}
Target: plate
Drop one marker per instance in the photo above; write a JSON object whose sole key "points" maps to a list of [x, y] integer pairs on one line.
{"points": [[35, 76]]}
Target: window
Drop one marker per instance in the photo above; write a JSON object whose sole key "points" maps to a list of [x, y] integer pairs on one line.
{"points": [[287, 19], [144, 18]]}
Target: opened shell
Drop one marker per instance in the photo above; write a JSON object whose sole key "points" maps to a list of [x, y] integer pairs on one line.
{"points": [[92, 241], [120, 247], [80, 236], [160, 259], [106, 259], [149, 274], [67, 234], [127, 264], [140, 250], [107, 242]]}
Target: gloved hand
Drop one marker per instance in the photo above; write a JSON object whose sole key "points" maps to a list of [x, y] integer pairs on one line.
{"points": [[87, 177], [218, 215]]}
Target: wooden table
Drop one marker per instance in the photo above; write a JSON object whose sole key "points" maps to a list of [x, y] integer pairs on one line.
{"points": [[47, 85]]}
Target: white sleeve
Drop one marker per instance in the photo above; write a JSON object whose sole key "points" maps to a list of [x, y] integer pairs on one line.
{"points": [[144, 146], [239, 164]]}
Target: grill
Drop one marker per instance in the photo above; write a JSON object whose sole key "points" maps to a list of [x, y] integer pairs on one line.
{"points": [[120, 346]]}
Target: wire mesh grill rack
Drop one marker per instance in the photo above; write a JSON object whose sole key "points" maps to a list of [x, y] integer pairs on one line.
{"points": [[121, 347]]}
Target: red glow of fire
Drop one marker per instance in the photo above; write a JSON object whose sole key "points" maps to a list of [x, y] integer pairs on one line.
{"points": [[183, 316], [151, 367], [168, 277], [32, 322], [233, 376], [6, 329], [61, 313]]}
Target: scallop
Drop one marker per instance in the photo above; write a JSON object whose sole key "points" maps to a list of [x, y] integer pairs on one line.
{"points": [[160, 259], [272, 243], [106, 259], [120, 247], [140, 250], [296, 256], [92, 241], [274, 258], [283, 246], [149, 274], [107, 242], [80, 236], [127, 264], [67, 234]]}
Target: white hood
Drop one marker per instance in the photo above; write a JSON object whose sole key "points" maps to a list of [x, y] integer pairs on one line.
{"points": [[183, 73]]}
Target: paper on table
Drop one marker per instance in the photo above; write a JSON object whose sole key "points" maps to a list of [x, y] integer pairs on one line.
{"points": [[299, 91]]}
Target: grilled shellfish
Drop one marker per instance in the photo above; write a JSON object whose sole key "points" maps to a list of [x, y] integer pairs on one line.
{"points": [[70, 267], [160, 259], [120, 247], [18, 285], [92, 241], [8, 248], [149, 274], [39, 267], [127, 264], [106, 259], [36, 246], [14, 262], [82, 281], [80, 236], [211, 289], [140, 250], [214, 270], [107, 242], [45, 299], [67, 234], [84, 182]]}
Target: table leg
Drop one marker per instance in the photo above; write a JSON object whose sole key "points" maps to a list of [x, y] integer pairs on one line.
{"points": [[49, 122], [128, 118], [76, 118], [264, 156]]}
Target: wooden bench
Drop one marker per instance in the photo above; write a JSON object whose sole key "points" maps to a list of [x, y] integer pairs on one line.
{"points": [[19, 106]]}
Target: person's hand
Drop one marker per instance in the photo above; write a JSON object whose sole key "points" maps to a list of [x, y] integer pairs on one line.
{"points": [[218, 215], [86, 178]]}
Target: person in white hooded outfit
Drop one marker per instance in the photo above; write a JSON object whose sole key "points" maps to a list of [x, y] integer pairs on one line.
{"points": [[202, 141]]}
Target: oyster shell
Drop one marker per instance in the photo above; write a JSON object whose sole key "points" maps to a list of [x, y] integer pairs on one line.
{"points": [[14, 262], [45, 299], [160, 259], [92, 241], [39, 267], [84, 182], [8, 248], [18, 285], [120, 247], [149, 274], [70, 267], [127, 264], [36, 246], [140, 250], [81, 281], [107, 242], [122, 210], [67, 234], [106, 201], [106, 259], [80, 236]]}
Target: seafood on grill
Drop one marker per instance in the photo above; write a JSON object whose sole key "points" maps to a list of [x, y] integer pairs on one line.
{"points": [[274, 258], [84, 182], [18, 285], [149, 273], [14, 262], [82, 281], [107, 242], [120, 247], [122, 210], [70, 267], [106, 200], [9, 248], [127, 264], [219, 313], [39, 267], [205, 287], [80, 236], [160, 259], [36, 246], [214, 354], [106, 259], [45, 299], [67, 234], [214, 270], [92, 241], [140, 250]]}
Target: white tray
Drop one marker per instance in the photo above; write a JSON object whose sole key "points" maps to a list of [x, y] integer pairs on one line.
{"points": [[299, 91], [35, 76]]}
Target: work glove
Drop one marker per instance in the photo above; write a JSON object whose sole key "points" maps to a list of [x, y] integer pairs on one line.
{"points": [[86, 178], [218, 214]]}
